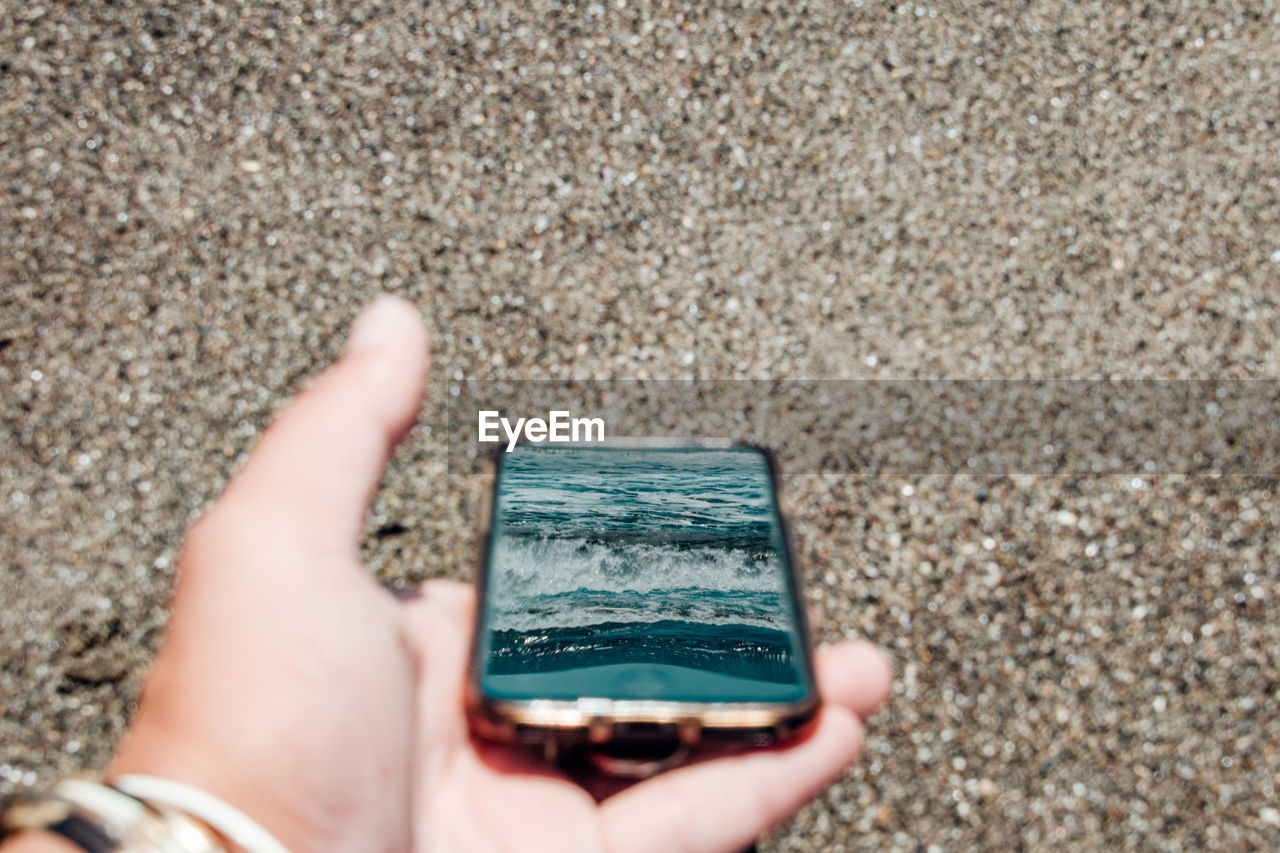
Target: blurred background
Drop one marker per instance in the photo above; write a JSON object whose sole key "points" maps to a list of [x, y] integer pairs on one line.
{"points": [[198, 197]]}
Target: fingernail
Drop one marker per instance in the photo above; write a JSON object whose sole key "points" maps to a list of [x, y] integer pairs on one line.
{"points": [[373, 325]]}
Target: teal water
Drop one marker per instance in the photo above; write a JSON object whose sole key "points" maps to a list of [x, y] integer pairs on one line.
{"points": [[664, 560]]}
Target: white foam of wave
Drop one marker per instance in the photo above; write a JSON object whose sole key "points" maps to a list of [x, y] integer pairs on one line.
{"points": [[572, 610], [536, 566]]}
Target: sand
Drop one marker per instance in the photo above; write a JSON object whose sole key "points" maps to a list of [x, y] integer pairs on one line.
{"points": [[198, 199]]}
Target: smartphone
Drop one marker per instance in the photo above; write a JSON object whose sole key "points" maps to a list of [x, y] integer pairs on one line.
{"points": [[638, 594]]}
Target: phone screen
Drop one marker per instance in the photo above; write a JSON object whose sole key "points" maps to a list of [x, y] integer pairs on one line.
{"points": [[640, 573]]}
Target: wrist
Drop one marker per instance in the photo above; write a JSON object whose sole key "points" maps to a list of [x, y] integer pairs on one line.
{"points": [[150, 752]]}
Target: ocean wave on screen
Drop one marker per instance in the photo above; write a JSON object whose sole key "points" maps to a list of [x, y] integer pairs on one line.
{"points": [[684, 497], [586, 538], [531, 567], [582, 607], [745, 651]]}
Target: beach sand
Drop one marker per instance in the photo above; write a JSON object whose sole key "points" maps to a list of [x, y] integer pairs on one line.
{"points": [[199, 199]]}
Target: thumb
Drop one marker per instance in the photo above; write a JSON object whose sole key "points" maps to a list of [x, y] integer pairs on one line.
{"points": [[311, 477]]}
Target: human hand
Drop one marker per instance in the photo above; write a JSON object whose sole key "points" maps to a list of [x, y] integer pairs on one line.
{"points": [[296, 688], [285, 685]]}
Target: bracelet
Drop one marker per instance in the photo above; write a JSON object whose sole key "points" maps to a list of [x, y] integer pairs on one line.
{"points": [[226, 820], [32, 811], [98, 819]]}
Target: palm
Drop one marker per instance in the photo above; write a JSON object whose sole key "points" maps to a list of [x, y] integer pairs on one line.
{"points": [[479, 801], [474, 795]]}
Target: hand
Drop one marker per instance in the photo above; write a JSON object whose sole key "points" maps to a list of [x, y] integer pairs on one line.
{"points": [[296, 688], [286, 683]]}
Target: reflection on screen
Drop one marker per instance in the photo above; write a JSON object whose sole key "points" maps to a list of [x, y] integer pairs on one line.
{"points": [[648, 574]]}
